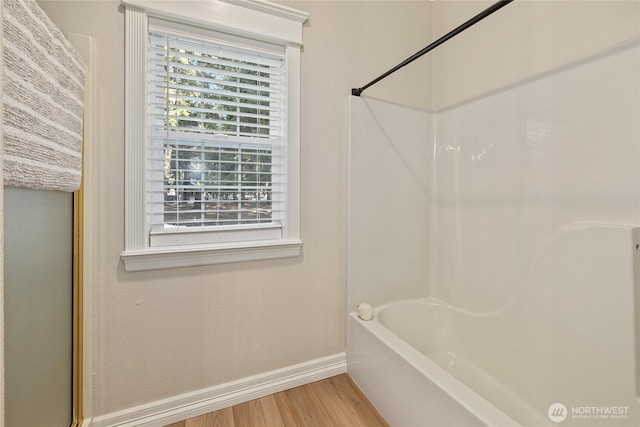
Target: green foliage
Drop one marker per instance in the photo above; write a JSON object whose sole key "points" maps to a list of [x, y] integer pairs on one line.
{"points": [[213, 94]]}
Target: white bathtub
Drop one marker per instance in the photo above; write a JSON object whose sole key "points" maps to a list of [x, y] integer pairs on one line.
{"points": [[407, 386], [569, 337], [453, 345], [437, 375]]}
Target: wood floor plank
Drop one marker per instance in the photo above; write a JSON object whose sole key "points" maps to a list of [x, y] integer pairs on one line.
{"points": [[333, 402], [341, 406], [221, 418], [290, 416], [258, 413], [307, 407], [330, 399], [244, 414], [339, 413], [362, 407], [272, 415]]}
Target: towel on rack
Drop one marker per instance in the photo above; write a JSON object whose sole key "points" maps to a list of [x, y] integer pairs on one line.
{"points": [[43, 93]]}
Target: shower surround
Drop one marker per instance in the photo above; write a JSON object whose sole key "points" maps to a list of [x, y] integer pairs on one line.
{"points": [[506, 227]]}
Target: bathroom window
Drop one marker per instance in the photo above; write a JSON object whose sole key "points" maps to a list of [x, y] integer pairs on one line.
{"points": [[212, 133], [216, 159]]}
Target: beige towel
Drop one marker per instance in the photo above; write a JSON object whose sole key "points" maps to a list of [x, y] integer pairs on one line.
{"points": [[43, 90]]}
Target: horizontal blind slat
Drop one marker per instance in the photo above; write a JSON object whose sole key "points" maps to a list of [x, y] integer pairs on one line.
{"points": [[216, 117], [255, 128], [210, 140], [196, 93], [159, 42], [159, 55], [213, 38], [228, 115], [160, 67]]}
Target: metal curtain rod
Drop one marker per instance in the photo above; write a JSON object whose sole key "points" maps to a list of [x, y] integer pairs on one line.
{"points": [[479, 17]]}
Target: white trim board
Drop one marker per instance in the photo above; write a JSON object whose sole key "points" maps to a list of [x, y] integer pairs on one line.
{"points": [[193, 404], [249, 18]]}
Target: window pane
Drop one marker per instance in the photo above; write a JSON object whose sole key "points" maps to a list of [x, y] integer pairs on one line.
{"points": [[201, 88], [217, 185], [217, 111]]}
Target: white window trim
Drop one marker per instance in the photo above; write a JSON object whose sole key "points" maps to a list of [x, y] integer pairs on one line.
{"points": [[249, 18]]}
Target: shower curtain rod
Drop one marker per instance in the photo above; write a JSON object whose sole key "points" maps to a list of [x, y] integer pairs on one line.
{"points": [[479, 17]]}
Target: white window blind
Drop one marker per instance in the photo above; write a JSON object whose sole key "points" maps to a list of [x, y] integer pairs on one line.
{"points": [[216, 157]]}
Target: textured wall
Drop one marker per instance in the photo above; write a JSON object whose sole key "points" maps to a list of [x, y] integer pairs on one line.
{"points": [[159, 334]]}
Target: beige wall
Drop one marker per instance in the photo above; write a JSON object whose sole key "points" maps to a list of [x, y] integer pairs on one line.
{"points": [[522, 40], [159, 334]]}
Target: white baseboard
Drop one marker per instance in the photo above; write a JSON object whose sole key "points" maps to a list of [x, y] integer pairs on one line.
{"points": [[188, 405]]}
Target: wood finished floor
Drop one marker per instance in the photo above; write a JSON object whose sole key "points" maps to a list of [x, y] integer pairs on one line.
{"points": [[334, 402]]}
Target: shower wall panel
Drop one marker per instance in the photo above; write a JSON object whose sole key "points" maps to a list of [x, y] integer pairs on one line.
{"points": [[537, 196], [522, 40], [516, 168], [390, 158]]}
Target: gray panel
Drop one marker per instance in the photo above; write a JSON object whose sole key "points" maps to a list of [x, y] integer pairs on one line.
{"points": [[38, 297]]}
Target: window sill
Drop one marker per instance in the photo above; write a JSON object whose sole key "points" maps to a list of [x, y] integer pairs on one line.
{"points": [[180, 256]]}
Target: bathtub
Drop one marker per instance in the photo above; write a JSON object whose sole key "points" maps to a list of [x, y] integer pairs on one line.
{"points": [[440, 374], [452, 371], [567, 339], [404, 373]]}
